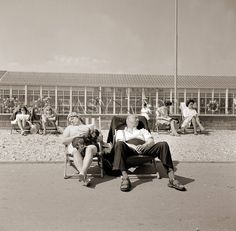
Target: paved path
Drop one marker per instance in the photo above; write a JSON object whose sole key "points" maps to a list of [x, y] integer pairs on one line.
{"points": [[36, 197]]}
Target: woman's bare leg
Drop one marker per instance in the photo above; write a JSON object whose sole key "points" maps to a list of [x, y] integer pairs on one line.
{"points": [[89, 153], [194, 125], [19, 122], [78, 160], [173, 130], [199, 124]]}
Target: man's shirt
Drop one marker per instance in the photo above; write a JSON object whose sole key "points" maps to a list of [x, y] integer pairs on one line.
{"points": [[126, 134]]}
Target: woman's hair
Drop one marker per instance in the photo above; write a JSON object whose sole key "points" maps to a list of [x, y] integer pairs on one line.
{"points": [[75, 114], [190, 101], [168, 103], [25, 109]]}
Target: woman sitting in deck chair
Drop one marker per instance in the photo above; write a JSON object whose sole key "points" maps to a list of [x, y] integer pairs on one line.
{"points": [[163, 118], [49, 118], [21, 117], [190, 115], [81, 140]]}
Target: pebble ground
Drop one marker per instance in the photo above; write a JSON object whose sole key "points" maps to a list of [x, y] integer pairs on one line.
{"points": [[215, 146]]}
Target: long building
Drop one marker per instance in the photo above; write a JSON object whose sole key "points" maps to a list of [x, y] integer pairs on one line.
{"points": [[109, 94]]}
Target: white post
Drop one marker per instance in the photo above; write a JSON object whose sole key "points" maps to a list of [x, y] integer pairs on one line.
{"points": [[56, 104], [157, 98], [185, 95], [226, 101], [128, 103], [41, 92], [114, 101], [171, 108], [11, 93], [85, 100], [26, 93], [70, 99], [198, 101]]}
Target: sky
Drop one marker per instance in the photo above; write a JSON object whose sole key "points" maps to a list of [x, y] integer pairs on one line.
{"points": [[118, 36]]}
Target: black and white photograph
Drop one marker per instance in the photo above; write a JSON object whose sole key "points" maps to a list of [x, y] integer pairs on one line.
{"points": [[117, 115]]}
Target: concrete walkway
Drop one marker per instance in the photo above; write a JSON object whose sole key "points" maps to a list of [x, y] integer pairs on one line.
{"points": [[36, 197]]}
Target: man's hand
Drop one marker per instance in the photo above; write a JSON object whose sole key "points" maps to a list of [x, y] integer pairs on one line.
{"points": [[140, 148]]}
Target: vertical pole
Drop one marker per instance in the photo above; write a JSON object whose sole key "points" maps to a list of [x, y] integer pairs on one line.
{"points": [[41, 92], [70, 99], [56, 99], [85, 100], [176, 56], [114, 101], [100, 108], [171, 97], [198, 100], [26, 93], [157, 98], [227, 101], [128, 98], [11, 93]]}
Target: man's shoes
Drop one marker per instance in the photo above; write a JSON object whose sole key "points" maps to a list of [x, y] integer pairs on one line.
{"points": [[125, 185], [176, 185]]}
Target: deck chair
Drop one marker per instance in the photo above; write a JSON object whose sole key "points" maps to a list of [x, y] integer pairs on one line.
{"points": [[190, 125], [97, 160], [119, 123], [14, 124], [51, 126]]}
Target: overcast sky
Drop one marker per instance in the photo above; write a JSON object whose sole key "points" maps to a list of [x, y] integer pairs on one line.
{"points": [[118, 36]]}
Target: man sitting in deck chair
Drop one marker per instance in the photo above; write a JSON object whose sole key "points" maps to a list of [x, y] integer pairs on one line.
{"points": [[76, 136], [133, 141]]}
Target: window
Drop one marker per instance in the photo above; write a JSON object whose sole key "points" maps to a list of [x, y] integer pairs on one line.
{"points": [[135, 100], [107, 100], [33, 94], [5, 105], [63, 101], [150, 95], [219, 97], [232, 101], [93, 101], [78, 100], [121, 100]]}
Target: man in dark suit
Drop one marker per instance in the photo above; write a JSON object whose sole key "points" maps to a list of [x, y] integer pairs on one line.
{"points": [[133, 141]]}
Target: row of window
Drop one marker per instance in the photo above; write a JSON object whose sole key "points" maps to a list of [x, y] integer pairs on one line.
{"points": [[108, 100]]}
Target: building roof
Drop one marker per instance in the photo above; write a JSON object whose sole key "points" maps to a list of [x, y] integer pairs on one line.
{"points": [[114, 80]]}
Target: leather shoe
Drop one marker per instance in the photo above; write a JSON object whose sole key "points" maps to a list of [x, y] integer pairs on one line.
{"points": [[125, 185], [176, 185]]}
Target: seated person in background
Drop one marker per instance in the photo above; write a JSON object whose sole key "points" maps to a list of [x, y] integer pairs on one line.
{"points": [[22, 118], [49, 118], [162, 117], [83, 151], [146, 111], [190, 114], [132, 141]]}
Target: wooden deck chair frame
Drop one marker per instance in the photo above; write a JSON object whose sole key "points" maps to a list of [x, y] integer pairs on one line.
{"points": [[15, 127], [98, 158], [133, 161]]}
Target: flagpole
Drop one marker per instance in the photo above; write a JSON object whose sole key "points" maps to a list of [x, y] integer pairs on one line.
{"points": [[176, 58]]}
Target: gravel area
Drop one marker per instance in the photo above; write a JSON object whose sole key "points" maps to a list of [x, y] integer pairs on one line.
{"points": [[216, 146]]}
